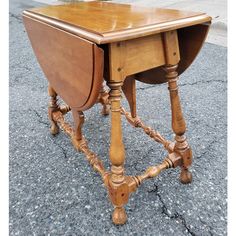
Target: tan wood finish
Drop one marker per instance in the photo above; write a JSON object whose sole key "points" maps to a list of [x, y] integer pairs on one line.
{"points": [[140, 54], [103, 22], [129, 89], [60, 63], [79, 44], [190, 40]]}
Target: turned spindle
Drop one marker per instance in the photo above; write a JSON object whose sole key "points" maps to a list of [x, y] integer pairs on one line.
{"points": [[178, 124], [52, 107], [78, 117], [172, 56], [118, 189], [103, 99]]}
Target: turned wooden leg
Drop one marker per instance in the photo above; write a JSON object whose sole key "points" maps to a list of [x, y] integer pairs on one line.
{"points": [[178, 124], [103, 99], [77, 136], [117, 187], [78, 117], [129, 89], [52, 107]]}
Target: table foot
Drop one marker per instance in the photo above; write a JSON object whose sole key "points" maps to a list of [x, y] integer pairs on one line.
{"points": [[52, 107], [185, 176], [105, 110], [103, 99], [119, 216], [54, 129]]}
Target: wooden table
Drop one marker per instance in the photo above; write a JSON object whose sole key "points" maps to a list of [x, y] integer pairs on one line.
{"points": [[80, 45]]}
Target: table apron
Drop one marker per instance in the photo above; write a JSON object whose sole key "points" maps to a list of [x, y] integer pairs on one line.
{"points": [[141, 54]]}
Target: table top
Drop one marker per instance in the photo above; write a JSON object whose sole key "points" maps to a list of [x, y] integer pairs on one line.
{"points": [[105, 22]]}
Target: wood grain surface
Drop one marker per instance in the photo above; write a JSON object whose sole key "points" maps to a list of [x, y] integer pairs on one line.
{"points": [[103, 22], [73, 66]]}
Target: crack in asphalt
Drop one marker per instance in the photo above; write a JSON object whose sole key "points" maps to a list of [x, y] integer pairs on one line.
{"points": [[40, 120], [22, 66], [208, 148], [139, 170], [143, 169], [62, 148], [185, 84], [147, 87], [208, 226], [165, 211], [15, 16], [203, 82]]}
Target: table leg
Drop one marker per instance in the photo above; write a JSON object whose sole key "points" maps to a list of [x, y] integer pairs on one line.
{"points": [[103, 99], [178, 124], [52, 107], [117, 187], [129, 89], [78, 117]]}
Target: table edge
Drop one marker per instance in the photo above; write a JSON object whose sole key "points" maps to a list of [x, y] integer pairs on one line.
{"points": [[123, 35]]}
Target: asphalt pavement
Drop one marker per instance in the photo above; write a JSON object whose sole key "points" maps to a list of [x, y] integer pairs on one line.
{"points": [[53, 190]]}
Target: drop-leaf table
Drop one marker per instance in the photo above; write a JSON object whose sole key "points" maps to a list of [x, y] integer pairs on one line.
{"points": [[80, 45]]}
